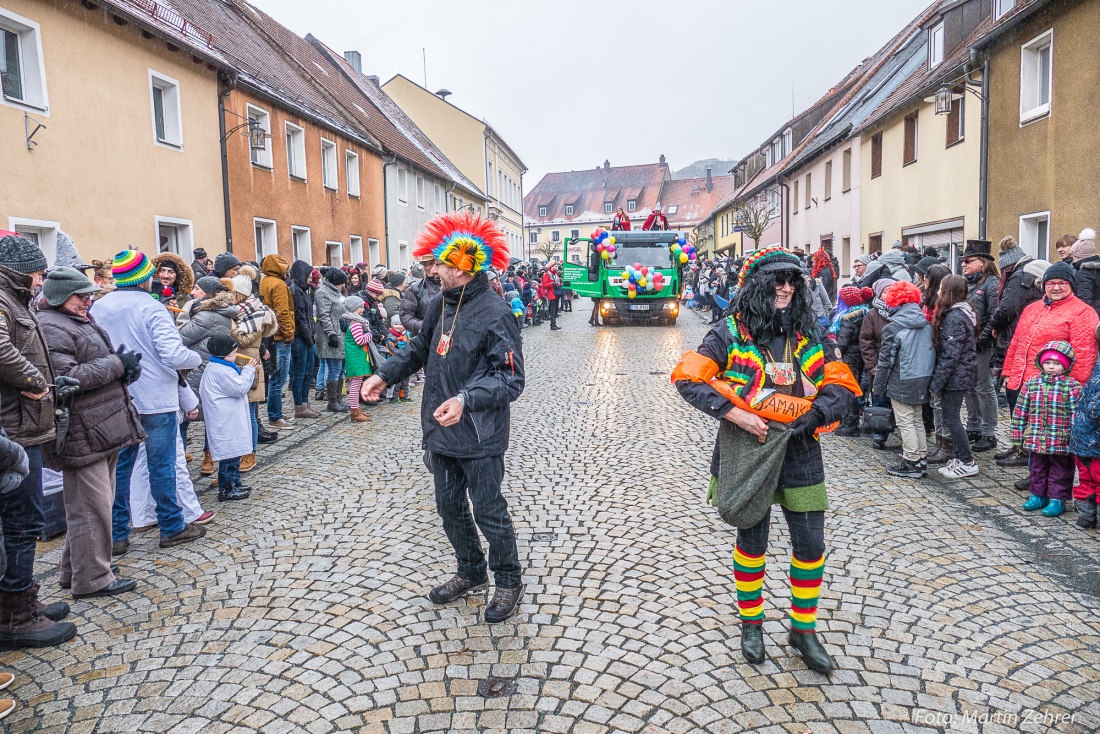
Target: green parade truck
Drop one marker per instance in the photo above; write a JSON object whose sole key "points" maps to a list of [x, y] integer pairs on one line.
{"points": [[602, 278]]}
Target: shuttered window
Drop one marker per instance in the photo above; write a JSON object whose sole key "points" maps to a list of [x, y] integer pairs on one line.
{"points": [[910, 155]]}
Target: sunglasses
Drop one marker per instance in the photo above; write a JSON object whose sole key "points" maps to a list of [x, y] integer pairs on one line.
{"points": [[787, 277]]}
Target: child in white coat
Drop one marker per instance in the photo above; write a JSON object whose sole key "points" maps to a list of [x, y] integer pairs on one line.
{"points": [[224, 393]]}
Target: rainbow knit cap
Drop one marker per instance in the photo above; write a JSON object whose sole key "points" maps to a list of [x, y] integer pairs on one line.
{"points": [[768, 260], [131, 268]]}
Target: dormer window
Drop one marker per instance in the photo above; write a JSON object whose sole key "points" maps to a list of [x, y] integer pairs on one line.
{"points": [[788, 142], [607, 207], [1000, 7], [777, 150], [542, 211], [568, 210], [935, 46], [631, 205]]}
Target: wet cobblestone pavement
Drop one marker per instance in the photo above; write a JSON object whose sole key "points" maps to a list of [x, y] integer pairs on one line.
{"points": [[304, 609]]}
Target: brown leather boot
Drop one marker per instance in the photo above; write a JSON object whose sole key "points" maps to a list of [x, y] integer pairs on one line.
{"points": [[248, 462], [207, 467], [332, 389], [21, 624], [358, 416], [304, 411]]}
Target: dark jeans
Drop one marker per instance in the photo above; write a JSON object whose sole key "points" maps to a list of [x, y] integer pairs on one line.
{"points": [[277, 381], [301, 371], [21, 512], [952, 423], [229, 473], [1013, 396], [254, 410], [807, 531], [479, 479], [1051, 475], [553, 312], [160, 450]]}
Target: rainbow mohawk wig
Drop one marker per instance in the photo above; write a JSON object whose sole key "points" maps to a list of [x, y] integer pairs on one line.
{"points": [[465, 241]]}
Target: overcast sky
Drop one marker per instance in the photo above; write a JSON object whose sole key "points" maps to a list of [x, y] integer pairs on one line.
{"points": [[558, 80]]}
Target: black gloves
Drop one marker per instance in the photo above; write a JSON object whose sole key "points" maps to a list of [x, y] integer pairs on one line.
{"points": [[66, 387], [14, 464], [333, 341], [131, 365], [807, 423]]}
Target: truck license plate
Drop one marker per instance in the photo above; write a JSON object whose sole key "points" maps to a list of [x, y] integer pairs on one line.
{"points": [[639, 307]]}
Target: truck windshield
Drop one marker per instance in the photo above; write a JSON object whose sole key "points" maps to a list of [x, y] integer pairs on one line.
{"points": [[654, 257]]}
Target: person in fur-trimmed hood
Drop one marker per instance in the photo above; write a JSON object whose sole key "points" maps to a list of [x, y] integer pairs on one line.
{"points": [[172, 272], [1087, 264], [1042, 423]]}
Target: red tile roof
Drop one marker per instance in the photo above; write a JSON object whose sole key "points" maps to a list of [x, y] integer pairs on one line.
{"points": [[692, 200], [590, 189]]}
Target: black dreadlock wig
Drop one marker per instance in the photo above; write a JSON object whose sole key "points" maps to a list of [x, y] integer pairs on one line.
{"points": [[755, 308]]}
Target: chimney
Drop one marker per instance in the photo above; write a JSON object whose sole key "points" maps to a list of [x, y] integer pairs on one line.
{"points": [[662, 159], [606, 165], [710, 183], [356, 60], [374, 80]]}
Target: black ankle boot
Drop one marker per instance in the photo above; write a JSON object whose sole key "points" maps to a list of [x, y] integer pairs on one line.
{"points": [[813, 654], [752, 642]]}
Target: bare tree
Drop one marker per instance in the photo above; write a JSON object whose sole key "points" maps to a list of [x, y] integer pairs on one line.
{"points": [[548, 249], [752, 217]]}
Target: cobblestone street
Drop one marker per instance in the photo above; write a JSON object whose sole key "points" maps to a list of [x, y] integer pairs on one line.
{"points": [[304, 608]]}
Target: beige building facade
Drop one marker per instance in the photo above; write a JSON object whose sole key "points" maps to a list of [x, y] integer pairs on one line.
{"points": [[145, 123], [474, 147]]}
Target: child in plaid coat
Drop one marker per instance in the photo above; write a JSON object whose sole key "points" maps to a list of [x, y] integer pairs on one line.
{"points": [[1041, 424]]}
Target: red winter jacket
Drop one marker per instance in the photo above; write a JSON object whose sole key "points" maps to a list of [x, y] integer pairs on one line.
{"points": [[1070, 319]]}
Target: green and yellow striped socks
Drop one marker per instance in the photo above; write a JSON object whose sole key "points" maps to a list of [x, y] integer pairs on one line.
{"points": [[805, 588], [748, 575]]}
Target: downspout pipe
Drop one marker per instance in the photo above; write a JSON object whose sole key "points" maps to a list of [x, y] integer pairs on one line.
{"points": [[225, 171], [785, 220], [983, 175], [386, 206]]}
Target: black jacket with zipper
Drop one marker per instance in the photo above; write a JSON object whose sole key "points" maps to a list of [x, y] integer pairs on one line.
{"points": [[484, 365]]}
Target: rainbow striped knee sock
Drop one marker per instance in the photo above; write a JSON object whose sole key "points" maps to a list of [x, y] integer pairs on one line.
{"points": [[748, 575], [805, 588]]}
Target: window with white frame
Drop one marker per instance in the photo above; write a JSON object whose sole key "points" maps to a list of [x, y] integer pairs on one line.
{"points": [[22, 73], [403, 185], [267, 242], [440, 199], [788, 141], [175, 235], [261, 118], [334, 253], [777, 149], [302, 244], [167, 111], [935, 46], [632, 205], [574, 234], [355, 245], [1036, 77], [328, 164], [489, 178], [373, 252], [1035, 235], [351, 163], [39, 231], [607, 207], [542, 211], [533, 237], [421, 197], [295, 151], [1000, 7], [568, 210], [402, 254], [673, 209], [555, 236]]}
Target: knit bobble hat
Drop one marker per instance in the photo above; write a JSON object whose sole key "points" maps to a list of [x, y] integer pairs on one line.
{"points": [[242, 284], [131, 268], [396, 279], [220, 345], [353, 304], [1061, 271], [1085, 246], [924, 263], [900, 293], [1011, 252], [375, 287], [315, 278], [853, 296], [225, 261], [335, 276], [21, 255]]}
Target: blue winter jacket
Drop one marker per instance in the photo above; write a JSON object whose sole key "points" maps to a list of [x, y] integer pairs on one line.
{"points": [[1084, 437]]}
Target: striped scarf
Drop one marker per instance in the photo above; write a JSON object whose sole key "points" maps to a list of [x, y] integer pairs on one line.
{"points": [[745, 362]]}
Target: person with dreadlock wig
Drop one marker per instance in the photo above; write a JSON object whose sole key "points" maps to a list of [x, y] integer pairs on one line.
{"points": [[766, 354], [469, 348]]}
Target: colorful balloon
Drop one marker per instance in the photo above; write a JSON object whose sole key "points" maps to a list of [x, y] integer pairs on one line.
{"points": [[684, 257], [610, 240], [605, 255]]}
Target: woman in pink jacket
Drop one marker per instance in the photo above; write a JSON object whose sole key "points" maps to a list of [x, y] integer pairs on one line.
{"points": [[1059, 315]]}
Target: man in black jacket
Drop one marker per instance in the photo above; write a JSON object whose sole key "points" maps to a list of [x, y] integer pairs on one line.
{"points": [[415, 299], [470, 348], [303, 352]]}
